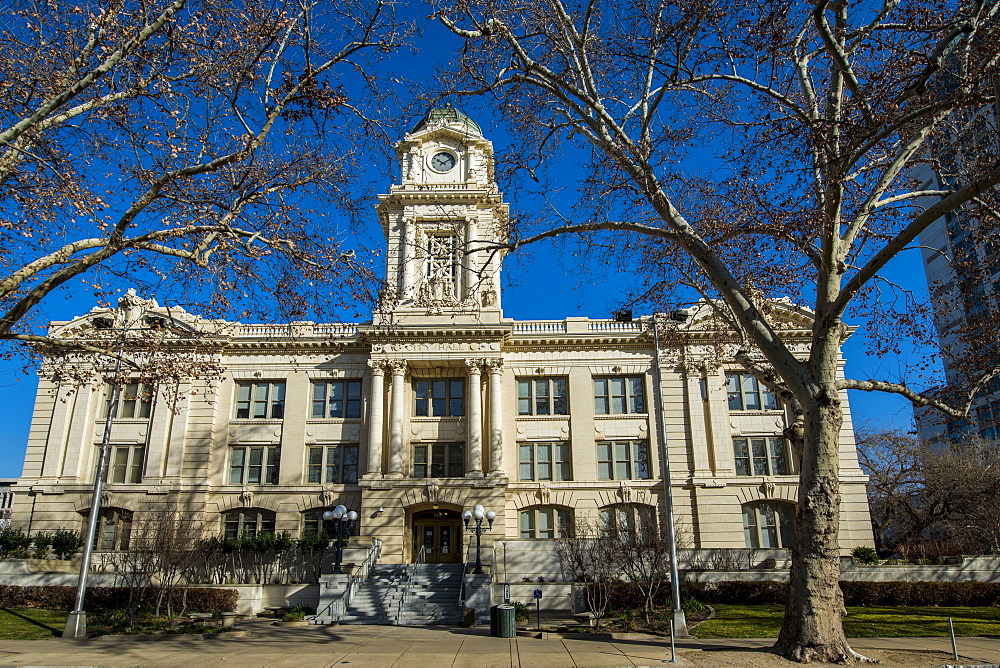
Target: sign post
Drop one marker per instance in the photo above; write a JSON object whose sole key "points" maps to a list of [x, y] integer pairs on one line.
{"points": [[538, 608]]}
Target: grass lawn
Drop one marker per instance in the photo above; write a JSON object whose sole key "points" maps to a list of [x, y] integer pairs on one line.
{"points": [[31, 623], [764, 621]]}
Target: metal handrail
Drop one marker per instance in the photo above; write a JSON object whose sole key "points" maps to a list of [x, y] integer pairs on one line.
{"points": [[410, 574], [338, 607]]}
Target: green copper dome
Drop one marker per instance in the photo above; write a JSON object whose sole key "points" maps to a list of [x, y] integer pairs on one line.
{"points": [[449, 115]]}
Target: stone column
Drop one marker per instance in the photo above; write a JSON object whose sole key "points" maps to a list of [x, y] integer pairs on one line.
{"points": [[408, 255], [397, 410], [474, 468], [496, 417], [471, 278], [376, 413]]}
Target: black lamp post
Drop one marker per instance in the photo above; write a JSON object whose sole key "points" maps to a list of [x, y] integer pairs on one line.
{"points": [[478, 513], [339, 514]]}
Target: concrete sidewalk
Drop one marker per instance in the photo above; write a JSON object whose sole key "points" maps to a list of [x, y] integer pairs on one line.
{"points": [[427, 647]]}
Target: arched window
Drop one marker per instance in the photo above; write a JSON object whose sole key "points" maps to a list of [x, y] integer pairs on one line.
{"points": [[545, 522], [247, 522], [633, 519], [768, 524], [113, 530], [313, 522]]}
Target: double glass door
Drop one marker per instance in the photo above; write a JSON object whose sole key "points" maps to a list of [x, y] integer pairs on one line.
{"points": [[441, 538]]}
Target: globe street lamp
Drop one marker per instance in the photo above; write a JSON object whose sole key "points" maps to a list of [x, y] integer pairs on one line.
{"points": [[478, 513], [339, 514]]}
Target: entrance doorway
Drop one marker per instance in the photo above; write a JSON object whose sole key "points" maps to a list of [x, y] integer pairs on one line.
{"points": [[440, 531]]}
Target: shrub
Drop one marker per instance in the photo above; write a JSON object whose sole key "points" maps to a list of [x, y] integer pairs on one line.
{"points": [[42, 542], [14, 543], [521, 612], [66, 543], [293, 616], [691, 604], [199, 599], [865, 555]]}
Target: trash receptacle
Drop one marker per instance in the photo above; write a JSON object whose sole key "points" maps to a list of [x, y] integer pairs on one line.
{"points": [[505, 621], [494, 622]]}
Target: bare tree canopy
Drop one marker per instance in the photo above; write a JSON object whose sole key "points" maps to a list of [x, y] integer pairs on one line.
{"points": [[193, 147], [757, 150], [930, 501]]}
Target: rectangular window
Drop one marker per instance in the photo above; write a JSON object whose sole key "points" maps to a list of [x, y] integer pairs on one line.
{"points": [[125, 463], [254, 465], [337, 399], [260, 401], [761, 455], [746, 393], [544, 461], [542, 396], [341, 464], [135, 401], [439, 398], [442, 257], [619, 395], [439, 460], [623, 460]]}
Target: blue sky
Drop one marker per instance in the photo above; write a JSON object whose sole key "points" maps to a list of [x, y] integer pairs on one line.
{"points": [[539, 283]]}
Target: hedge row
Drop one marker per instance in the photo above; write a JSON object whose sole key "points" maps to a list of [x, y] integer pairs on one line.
{"points": [[112, 598], [919, 594]]}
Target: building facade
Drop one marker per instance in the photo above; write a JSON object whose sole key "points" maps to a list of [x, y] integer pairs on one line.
{"points": [[961, 259], [439, 403]]}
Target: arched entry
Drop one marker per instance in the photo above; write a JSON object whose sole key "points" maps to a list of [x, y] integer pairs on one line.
{"points": [[440, 532]]}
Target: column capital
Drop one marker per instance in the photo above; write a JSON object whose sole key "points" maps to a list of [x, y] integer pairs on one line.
{"points": [[474, 365], [377, 367], [495, 364], [398, 367]]}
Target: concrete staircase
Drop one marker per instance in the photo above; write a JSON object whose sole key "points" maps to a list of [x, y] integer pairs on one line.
{"points": [[432, 596]]}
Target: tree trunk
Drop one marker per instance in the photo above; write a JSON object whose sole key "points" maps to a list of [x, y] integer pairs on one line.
{"points": [[813, 625]]}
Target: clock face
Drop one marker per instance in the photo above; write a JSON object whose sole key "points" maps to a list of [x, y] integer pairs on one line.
{"points": [[443, 161]]}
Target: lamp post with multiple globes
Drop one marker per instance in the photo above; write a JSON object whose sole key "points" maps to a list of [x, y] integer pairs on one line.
{"points": [[339, 515], [478, 513]]}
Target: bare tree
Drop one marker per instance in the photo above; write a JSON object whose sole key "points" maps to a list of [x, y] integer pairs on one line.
{"points": [[195, 147], [592, 563], [892, 460], [812, 119]]}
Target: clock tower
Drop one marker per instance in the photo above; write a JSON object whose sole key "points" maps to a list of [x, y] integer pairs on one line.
{"points": [[445, 224]]}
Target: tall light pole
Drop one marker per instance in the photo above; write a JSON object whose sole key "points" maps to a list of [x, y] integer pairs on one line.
{"points": [[339, 515], [679, 621], [478, 513], [76, 622]]}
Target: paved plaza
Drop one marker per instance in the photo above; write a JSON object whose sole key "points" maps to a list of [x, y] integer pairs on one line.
{"points": [[430, 647]]}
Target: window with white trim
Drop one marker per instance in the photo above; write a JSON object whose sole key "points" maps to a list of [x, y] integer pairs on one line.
{"points": [[313, 523], [134, 401], [113, 531], [544, 461], [337, 464], [633, 519], [246, 522], [545, 522], [746, 393], [337, 399], [443, 397], [623, 460], [439, 460], [125, 464], [761, 455], [260, 400], [619, 395], [254, 465], [542, 396], [768, 524]]}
